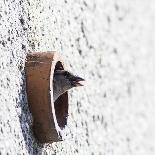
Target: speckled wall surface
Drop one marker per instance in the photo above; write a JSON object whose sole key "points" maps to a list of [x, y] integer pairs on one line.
{"points": [[109, 42]]}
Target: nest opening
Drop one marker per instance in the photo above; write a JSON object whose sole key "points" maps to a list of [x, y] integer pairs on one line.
{"points": [[61, 104]]}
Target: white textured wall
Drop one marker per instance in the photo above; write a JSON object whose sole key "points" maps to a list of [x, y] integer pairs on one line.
{"points": [[109, 42]]}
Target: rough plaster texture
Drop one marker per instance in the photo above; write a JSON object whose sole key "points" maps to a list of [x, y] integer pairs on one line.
{"points": [[109, 42]]}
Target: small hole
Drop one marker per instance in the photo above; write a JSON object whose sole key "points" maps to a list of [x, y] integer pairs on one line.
{"points": [[58, 66]]}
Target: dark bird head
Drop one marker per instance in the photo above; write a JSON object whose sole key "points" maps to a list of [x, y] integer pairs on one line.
{"points": [[68, 78], [63, 81]]}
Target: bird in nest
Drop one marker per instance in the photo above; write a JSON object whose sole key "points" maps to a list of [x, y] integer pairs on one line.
{"points": [[63, 81]]}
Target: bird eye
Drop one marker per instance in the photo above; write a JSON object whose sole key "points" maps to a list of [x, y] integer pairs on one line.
{"points": [[66, 74]]}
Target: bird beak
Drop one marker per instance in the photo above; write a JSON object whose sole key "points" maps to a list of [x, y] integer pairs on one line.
{"points": [[77, 81]]}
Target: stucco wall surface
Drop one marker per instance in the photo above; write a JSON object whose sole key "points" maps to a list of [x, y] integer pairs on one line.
{"points": [[111, 43]]}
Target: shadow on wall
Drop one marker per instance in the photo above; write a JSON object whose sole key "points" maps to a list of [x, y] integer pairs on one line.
{"points": [[25, 120]]}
